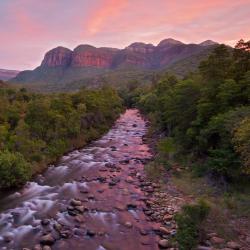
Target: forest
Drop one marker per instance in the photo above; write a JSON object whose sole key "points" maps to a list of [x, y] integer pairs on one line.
{"points": [[205, 117], [36, 129]]}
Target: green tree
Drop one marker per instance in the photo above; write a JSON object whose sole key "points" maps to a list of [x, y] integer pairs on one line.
{"points": [[14, 170]]}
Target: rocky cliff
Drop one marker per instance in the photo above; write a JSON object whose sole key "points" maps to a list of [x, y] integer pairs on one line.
{"points": [[59, 56], [62, 64]]}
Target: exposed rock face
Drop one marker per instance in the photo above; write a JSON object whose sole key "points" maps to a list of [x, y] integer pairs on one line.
{"points": [[89, 56], [63, 65], [59, 56], [137, 54], [141, 48]]}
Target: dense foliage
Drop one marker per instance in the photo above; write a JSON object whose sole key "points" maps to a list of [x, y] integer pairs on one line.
{"points": [[189, 221], [207, 114], [14, 169], [36, 129]]}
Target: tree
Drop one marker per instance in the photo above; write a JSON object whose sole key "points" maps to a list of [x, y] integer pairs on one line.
{"points": [[14, 170]]}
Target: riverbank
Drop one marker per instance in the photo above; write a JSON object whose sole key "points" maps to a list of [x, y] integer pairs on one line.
{"points": [[226, 227]]}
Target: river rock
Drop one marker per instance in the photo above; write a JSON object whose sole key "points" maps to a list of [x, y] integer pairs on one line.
{"points": [[168, 217], [233, 245], [57, 227], [84, 191], [45, 222], [131, 206], [8, 237], [217, 240], [65, 234], [37, 247], [120, 207], [164, 230], [143, 232], [72, 212], [204, 248], [91, 233], [210, 235], [164, 243], [112, 183], [80, 209], [46, 248], [79, 232], [75, 202], [47, 239], [128, 224], [79, 219]]}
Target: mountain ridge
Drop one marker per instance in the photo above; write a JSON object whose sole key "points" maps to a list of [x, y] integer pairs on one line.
{"points": [[61, 65]]}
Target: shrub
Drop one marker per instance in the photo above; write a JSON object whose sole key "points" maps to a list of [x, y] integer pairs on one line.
{"points": [[189, 222], [14, 170]]}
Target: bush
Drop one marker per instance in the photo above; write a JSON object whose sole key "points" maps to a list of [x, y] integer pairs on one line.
{"points": [[14, 170], [189, 221]]}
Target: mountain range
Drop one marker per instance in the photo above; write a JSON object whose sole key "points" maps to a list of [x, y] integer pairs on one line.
{"points": [[6, 74], [63, 66]]}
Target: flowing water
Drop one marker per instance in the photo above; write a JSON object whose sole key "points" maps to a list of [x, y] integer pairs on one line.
{"points": [[105, 177]]}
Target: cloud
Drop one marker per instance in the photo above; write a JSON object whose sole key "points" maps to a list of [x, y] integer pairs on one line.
{"points": [[107, 10], [29, 28]]}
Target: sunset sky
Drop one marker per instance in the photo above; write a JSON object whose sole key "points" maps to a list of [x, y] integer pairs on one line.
{"points": [[29, 28]]}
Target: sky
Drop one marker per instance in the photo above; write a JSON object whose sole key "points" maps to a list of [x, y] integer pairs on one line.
{"points": [[29, 28]]}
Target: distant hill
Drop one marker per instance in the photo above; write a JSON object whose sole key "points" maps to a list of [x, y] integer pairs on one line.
{"points": [[88, 65], [6, 74]]}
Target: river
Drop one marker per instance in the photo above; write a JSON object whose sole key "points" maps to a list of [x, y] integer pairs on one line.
{"points": [[91, 199]]}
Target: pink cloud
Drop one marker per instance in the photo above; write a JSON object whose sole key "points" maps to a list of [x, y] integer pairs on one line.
{"points": [[29, 28], [107, 10]]}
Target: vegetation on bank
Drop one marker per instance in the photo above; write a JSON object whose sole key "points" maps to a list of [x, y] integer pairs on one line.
{"points": [[36, 129], [206, 115], [189, 222]]}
